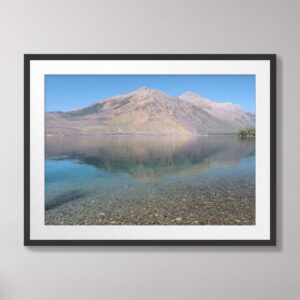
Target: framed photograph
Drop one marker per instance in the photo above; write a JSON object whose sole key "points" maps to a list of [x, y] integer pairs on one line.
{"points": [[150, 149]]}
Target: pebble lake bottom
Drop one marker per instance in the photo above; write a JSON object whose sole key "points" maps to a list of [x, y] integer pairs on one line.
{"points": [[138, 180]]}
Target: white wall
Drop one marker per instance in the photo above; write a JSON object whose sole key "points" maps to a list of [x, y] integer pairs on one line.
{"points": [[143, 26]]}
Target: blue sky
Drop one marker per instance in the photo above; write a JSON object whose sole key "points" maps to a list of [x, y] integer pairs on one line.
{"points": [[68, 92]]}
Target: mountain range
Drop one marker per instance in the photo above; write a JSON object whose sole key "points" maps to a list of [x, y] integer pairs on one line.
{"points": [[151, 112]]}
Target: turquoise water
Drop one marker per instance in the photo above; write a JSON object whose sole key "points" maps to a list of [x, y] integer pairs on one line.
{"points": [[149, 180]]}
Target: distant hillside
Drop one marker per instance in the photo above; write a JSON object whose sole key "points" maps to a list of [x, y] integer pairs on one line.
{"points": [[151, 112]]}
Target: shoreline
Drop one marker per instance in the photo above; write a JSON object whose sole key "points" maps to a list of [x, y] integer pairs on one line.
{"points": [[141, 134]]}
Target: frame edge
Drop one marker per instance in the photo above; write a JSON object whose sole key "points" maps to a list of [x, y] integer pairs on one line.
{"points": [[26, 150], [29, 242]]}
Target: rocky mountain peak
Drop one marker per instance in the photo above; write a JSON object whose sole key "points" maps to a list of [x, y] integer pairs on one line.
{"points": [[194, 98], [153, 112]]}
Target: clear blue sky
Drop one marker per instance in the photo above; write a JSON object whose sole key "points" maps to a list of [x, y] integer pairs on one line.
{"points": [[68, 92]]}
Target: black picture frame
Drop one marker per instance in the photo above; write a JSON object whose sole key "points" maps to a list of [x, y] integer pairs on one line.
{"points": [[31, 57]]}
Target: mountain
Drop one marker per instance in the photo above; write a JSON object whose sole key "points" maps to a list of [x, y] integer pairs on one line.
{"points": [[151, 112], [227, 112]]}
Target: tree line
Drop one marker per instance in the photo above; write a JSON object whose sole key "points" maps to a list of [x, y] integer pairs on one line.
{"points": [[247, 133]]}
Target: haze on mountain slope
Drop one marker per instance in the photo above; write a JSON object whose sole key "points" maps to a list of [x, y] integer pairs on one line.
{"points": [[151, 112]]}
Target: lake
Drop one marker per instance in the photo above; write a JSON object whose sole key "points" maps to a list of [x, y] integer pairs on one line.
{"points": [[143, 180]]}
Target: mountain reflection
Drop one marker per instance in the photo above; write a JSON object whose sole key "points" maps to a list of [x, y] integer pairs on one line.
{"points": [[151, 157]]}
